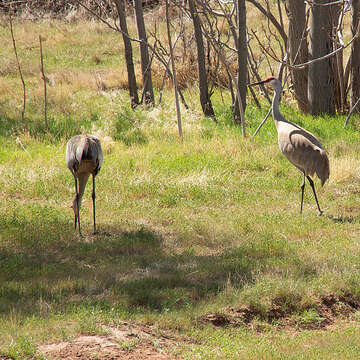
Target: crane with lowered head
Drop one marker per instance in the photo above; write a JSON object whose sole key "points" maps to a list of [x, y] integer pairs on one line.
{"points": [[298, 145], [84, 157]]}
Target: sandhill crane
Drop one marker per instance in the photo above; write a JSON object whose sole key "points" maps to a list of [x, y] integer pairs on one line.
{"points": [[83, 157], [299, 146]]}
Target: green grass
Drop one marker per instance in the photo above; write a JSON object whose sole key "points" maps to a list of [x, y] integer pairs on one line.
{"points": [[186, 229]]}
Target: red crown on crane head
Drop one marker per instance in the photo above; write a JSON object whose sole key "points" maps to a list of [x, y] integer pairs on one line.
{"points": [[270, 78]]}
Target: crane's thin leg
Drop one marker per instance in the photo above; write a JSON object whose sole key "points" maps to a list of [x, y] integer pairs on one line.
{"points": [[77, 216], [313, 187], [302, 193], [75, 213], [93, 198], [76, 197]]}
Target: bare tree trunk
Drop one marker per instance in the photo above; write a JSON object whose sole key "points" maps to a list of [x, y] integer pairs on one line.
{"points": [[178, 113], [242, 55], [298, 50], [120, 6], [336, 16], [203, 84], [355, 56], [321, 78], [144, 53]]}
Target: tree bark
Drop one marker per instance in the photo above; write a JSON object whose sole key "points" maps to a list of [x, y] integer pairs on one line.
{"points": [[144, 54], [242, 56], [321, 78], [205, 101], [355, 57], [120, 6], [298, 50]]}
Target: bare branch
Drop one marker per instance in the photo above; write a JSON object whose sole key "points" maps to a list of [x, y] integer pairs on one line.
{"points": [[301, 66], [280, 14], [265, 50], [116, 28], [44, 80], [346, 2], [178, 113], [262, 123], [272, 18], [351, 111], [19, 68]]}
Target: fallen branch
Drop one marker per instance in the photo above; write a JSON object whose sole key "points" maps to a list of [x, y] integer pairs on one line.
{"points": [[262, 123], [351, 111]]}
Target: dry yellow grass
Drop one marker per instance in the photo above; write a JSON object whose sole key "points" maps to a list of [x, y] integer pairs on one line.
{"points": [[345, 169]]}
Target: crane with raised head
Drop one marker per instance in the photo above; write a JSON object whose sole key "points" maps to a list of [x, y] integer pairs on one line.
{"points": [[298, 145], [83, 158]]}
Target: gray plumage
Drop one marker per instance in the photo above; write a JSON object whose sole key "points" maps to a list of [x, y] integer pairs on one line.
{"points": [[84, 157], [299, 146]]}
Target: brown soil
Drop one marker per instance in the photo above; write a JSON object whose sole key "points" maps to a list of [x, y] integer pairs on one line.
{"points": [[329, 308], [126, 342], [140, 342]]}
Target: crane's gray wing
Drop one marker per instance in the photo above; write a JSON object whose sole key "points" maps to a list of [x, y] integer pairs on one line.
{"points": [[96, 151], [304, 151], [71, 152]]}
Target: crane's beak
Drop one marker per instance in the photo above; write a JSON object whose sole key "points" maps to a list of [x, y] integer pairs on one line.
{"points": [[258, 83]]}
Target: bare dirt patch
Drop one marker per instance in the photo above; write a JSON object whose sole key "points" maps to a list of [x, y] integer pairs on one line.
{"points": [[126, 342], [329, 308]]}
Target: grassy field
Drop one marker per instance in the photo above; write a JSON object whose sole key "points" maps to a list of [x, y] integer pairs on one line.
{"points": [[200, 241]]}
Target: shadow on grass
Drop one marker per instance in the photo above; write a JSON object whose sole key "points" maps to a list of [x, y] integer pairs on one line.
{"points": [[343, 219], [42, 260]]}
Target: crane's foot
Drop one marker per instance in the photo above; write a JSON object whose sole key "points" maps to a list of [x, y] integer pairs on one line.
{"points": [[320, 212]]}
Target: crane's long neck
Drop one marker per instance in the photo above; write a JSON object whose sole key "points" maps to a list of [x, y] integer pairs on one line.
{"points": [[82, 180], [275, 107]]}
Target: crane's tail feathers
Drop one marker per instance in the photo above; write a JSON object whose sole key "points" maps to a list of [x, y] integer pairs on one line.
{"points": [[81, 148], [323, 167]]}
